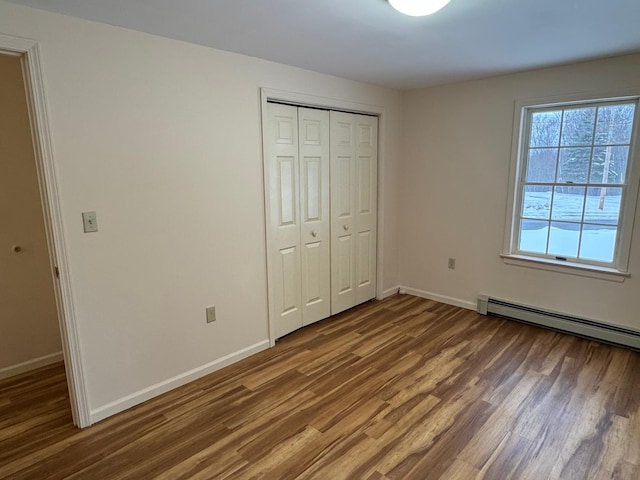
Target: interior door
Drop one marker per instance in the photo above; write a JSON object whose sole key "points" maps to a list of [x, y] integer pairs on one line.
{"points": [[313, 128], [322, 184], [354, 160], [366, 206], [343, 208], [281, 151]]}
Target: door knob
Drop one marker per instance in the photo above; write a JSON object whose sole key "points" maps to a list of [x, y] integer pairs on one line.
{"points": [[314, 234], [346, 227], [16, 249]]}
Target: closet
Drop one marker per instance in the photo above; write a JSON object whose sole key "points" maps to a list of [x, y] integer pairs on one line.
{"points": [[321, 188]]}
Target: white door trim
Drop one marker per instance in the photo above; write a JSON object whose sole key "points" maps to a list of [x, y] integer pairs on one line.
{"points": [[306, 100], [47, 179]]}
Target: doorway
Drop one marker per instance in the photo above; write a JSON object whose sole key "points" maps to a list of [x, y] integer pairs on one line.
{"points": [[31, 88], [28, 314]]}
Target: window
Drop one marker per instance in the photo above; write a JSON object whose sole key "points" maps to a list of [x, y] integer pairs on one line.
{"points": [[575, 184]]}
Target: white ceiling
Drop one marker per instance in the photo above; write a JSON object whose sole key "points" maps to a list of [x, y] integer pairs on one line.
{"points": [[367, 40]]}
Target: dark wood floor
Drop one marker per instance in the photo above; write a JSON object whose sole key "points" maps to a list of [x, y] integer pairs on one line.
{"points": [[401, 388]]}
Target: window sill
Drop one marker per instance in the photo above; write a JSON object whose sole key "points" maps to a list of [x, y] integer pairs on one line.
{"points": [[569, 268]]}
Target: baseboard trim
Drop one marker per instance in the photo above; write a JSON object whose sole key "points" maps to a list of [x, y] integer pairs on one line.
{"points": [[440, 298], [148, 393], [29, 365], [389, 292]]}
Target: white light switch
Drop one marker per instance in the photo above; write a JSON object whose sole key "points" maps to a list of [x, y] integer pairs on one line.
{"points": [[90, 222], [211, 314]]}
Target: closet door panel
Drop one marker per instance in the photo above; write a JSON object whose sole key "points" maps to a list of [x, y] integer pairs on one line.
{"points": [[322, 215], [344, 265], [281, 150], [364, 250], [314, 203], [343, 211], [288, 285], [366, 186]]}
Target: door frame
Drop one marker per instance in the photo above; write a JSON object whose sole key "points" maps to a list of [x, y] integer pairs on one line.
{"points": [[314, 101], [29, 52]]}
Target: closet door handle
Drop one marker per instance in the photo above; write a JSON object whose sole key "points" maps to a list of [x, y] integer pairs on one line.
{"points": [[346, 227], [314, 234], [16, 249]]}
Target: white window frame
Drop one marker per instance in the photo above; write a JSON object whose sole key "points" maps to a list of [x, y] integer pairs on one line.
{"points": [[511, 255]]}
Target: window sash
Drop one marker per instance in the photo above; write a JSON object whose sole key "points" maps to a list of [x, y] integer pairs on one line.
{"points": [[624, 222]]}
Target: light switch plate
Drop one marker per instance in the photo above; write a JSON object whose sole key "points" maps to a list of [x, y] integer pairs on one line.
{"points": [[211, 314], [90, 222]]}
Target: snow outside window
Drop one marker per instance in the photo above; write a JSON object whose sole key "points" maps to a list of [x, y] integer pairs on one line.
{"points": [[576, 183]]}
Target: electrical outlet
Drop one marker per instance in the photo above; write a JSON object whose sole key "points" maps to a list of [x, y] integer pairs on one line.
{"points": [[452, 263], [211, 314]]}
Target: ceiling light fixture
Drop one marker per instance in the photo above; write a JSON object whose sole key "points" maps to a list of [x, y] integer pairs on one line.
{"points": [[418, 8]]}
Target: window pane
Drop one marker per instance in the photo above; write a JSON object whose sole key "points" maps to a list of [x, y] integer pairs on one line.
{"points": [[533, 236], [545, 129], [568, 203], [541, 166], [564, 239], [536, 202], [598, 243], [603, 205], [574, 165], [577, 126], [609, 164], [614, 124]]}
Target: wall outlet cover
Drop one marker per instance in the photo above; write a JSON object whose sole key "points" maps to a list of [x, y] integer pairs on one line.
{"points": [[211, 314]]}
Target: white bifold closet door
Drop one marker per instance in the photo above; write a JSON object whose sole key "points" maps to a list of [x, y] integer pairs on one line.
{"points": [[353, 209], [297, 156]]}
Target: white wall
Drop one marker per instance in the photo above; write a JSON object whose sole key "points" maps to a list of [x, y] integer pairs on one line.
{"points": [[162, 139], [453, 200], [30, 335]]}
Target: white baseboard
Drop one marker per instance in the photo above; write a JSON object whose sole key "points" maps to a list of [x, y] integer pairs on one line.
{"points": [[148, 393], [440, 298], [29, 365], [389, 292]]}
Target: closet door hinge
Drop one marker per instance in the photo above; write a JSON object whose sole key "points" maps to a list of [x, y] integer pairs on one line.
{"points": [[57, 270]]}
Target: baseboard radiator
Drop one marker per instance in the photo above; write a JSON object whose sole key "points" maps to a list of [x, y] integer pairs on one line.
{"points": [[558, 321]]}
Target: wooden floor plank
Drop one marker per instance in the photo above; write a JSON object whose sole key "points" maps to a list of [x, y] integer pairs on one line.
{"points": [[403, 388]]}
